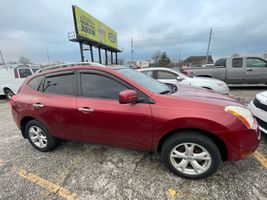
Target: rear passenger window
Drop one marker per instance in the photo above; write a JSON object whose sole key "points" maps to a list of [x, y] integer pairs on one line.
{"points": [[59, 84], [24, 73], [35, 82], [99, 86], [237, 62]]}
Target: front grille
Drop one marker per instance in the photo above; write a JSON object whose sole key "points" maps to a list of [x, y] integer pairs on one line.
{"points": [[262, 123], [259, 105]]}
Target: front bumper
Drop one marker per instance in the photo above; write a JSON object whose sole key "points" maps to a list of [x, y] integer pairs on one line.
{"points": [[261, 115], [241, 143]]}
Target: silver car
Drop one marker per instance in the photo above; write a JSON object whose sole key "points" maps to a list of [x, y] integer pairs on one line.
{"points": [[170, 76]]}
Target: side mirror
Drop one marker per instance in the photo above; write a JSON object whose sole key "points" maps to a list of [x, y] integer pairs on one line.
{"points": [[179, 78], [128, 96]]}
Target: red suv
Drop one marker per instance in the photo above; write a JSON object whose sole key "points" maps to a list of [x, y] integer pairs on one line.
{"points": [[193, 129]]}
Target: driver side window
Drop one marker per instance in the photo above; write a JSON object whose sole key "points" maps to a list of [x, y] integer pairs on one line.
{"points": [[256, 62], [166, 75]]}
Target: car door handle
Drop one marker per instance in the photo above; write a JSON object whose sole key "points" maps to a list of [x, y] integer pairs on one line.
{"points": [[86, 109], [249, 70], [37, 105]]}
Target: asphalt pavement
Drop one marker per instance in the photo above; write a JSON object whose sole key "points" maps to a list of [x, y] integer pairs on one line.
{"points": [[77, 170]]}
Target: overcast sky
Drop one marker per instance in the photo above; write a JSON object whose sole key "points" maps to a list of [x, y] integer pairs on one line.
{"points": [[32, 28]]}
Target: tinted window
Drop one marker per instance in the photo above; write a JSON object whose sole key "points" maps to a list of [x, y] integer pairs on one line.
{"points": [[24, 73], [35, 82], [59, 84], [99, 86], [34, 69], [166, 75], [237, 62], [221, 62], [148, 73], [256, 62]]}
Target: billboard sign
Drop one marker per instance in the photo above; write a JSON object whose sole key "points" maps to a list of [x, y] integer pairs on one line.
{"points": [[91, 28]]}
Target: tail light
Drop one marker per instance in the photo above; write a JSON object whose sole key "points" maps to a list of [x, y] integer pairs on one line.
{"points": [[12, 100], [16, 73], [184, 72]]}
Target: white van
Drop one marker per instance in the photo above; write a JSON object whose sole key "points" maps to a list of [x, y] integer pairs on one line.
{"points": [[11, 77]]}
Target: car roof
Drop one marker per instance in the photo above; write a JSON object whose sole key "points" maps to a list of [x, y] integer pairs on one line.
{"points": [[156, 68], [76, 66]]}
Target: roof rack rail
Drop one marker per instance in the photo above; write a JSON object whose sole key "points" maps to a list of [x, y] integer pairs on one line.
{"points": [[69, 65]]}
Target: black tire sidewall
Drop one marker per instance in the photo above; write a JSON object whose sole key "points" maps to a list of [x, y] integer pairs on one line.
{"points": [[203, 141], [51, 141], [7, 92]]}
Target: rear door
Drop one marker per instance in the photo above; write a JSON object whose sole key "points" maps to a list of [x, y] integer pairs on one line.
{"points": [[256, 70], [166, 76], [235, 71], [55, 105], [104, 120]]}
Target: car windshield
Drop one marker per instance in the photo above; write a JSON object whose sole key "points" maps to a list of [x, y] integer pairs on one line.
{"points": [[145, 81]]}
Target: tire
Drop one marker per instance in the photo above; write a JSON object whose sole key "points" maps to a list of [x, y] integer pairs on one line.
{"points": [[9, 93], [183, 162], [39, 136]]}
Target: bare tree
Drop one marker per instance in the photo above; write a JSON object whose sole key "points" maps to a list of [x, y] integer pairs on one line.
{"points": [[24, 60], [235, 54], [264, 54]]}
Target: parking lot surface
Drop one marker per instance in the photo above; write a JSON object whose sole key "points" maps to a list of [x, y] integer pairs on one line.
{"points": [[77, 170]]}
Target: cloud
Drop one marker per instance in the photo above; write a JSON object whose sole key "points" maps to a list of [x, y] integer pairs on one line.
{"points": [[32, 28]]}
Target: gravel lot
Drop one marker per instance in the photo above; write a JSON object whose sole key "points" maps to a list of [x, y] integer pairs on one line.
{"points": [[79, 170]]}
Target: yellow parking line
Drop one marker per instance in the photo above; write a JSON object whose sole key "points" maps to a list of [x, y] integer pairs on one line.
{"points": [[172, 193], [260, 158], [52, 187]]}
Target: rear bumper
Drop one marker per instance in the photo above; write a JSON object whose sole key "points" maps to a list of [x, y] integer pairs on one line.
{"points": [[241, 143]]}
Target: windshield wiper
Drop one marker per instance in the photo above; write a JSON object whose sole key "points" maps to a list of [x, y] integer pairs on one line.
{"points": [[165, 92]]}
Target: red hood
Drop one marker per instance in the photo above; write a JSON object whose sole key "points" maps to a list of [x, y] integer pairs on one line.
{"points": [[201, 94]]}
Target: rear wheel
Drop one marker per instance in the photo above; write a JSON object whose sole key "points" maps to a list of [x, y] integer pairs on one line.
{"points": [[9, 93], [39, 136], [191, 155]]}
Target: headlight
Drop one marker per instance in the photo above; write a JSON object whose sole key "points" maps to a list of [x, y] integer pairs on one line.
{"points": [[241, 113]]}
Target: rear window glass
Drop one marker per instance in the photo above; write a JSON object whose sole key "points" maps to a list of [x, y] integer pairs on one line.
{"points": [[59, 84], [24, 73], [35, 82]]}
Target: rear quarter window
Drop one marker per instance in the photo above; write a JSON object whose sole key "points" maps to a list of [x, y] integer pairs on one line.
{"points": [[35, 82], [24, 73]]}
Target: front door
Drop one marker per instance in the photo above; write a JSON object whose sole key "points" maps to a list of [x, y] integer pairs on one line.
{"points": [[256, 70], [104, 120]]}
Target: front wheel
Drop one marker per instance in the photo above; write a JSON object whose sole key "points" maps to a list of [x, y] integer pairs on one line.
{"points": [[191, 155]]}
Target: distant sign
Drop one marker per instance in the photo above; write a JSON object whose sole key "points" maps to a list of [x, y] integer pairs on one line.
{"points": [[91, 28]]}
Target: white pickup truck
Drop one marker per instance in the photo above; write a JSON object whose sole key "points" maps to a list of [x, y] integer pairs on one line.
{"points": [[234, 70], [11, 77]]}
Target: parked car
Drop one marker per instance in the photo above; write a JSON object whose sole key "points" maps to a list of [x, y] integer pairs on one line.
{"points": [[170, 76], [258, 108], [11, 77], [234, 70], [193, 129]]}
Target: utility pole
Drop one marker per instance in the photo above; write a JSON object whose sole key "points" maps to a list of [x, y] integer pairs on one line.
{"points": [[207, 57], [48, 57], [132, 51], [2, 57]]}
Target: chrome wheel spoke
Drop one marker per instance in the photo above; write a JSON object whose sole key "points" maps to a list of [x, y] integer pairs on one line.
{"points": [[38, 137], [196, 166], [183, 164], [201, 156], [177, 154], [189, 148]]}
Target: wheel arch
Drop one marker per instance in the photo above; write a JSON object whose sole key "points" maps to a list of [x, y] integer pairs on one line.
{"points": [[218, 141], [23, 123]]}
